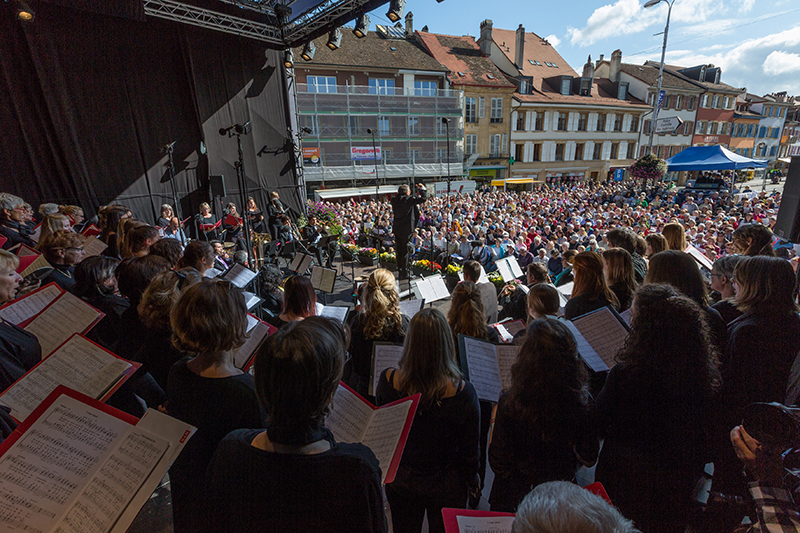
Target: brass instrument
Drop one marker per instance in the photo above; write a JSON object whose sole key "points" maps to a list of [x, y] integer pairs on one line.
{"points": [[259, 240]]}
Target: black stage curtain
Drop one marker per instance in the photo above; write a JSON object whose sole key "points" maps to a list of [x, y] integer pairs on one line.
{"points": [[90, 99]]}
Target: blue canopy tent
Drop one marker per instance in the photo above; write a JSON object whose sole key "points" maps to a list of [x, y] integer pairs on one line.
{"points": [[711, 158]]}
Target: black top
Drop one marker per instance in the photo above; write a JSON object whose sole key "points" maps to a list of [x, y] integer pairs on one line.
{"points": [[112, 250], [404, 209], [624, 295], [310, 233], [16, 234], [158, 355], [215, 406], [442, 436], [718, 327], [360, 364], [201, 220], [522, 457], [285, 234], [19, 352], [256, 219], [727, 311], [516, 305], [274, 211], [255, 490], [582, 304], [132, 333], [162, 222], [107, 331], [63, 275]]}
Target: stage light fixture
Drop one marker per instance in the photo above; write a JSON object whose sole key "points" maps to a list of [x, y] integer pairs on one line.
{"points": [[24, 12], [334, 39], [288, 59], [308, 51], [395, 12], [362, 26]]}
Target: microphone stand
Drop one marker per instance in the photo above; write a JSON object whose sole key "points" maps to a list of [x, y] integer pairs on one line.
{"points": [[171, 169]]}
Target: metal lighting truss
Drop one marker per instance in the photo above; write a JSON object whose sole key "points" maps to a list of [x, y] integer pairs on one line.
{"points": [[325, 17]]}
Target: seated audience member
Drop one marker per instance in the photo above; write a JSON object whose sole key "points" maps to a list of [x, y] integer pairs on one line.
{"points": [[140, 239], [655, 243], [554, 264], [753, 239], [472, 272], [590, 291], [722, 283], [294, 477], [19, 350], [680, 270], [198, 255], [63, 250], [543, 427], [207, 391], [299, 301], [514, 298], [566, 275], [654, 410], [169, 249], [619, 272], [381, 321], [271, 290], [441, 457], [158, 353], [12, 222], [96, 284], [52, 224], [562, 507]]}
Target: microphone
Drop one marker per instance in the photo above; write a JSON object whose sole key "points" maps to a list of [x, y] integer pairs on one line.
{"points": [[242, 129]]}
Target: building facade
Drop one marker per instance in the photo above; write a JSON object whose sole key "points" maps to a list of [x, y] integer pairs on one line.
{"points": [[488, 97], [383, 89], [772, 109], [745, 128]]}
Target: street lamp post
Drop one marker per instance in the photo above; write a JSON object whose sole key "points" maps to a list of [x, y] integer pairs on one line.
{"points": [[446, 121], [652, 3], [375, 160], [760, 150]]}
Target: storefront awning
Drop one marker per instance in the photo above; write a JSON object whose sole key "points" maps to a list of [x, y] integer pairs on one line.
{"points": [[511, 181]]}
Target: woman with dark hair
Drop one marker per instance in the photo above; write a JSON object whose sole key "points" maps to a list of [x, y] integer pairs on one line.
{"points": [[590, 291], [275, 212], [656, 242], [299, 301], [680, 270], [207, 391], [297, 372], [198, 255], [722, 282], [255, 216], [654, 410], [542, 301], [381, 321], [96, 284], [169, 249], [762, 345], [109, 218], [542, 429], [271, 291], [675, 234], [140, 239], [753, 239], [618, 269], [440, 460]]}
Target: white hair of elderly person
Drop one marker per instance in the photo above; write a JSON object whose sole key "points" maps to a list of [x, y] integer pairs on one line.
{"points": [[562, 507]]}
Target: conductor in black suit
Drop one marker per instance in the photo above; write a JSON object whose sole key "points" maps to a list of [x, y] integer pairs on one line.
{"points": [[312, 234], [406, 214]]}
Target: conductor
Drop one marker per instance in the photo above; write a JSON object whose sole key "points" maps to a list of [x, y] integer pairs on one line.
{"points": [[406, 214]]}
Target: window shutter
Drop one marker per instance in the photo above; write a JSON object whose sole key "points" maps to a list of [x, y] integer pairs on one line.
{"points": [[481, 107], [504, 146]]}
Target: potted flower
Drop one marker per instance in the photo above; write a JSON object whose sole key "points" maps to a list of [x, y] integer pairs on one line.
{"points": [[388, 261], [451, 276], [368, 256], [424, 267], [349, 252], [496, 278]]}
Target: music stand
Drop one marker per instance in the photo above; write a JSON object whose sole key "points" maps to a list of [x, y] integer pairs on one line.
{"points": [[288, 251]]}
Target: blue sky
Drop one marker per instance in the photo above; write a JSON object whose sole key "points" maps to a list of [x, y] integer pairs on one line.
{"points": [[756, 42]]}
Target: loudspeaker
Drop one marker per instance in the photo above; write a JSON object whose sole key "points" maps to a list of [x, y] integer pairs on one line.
{"points": [[217, 186], [788, 225]]}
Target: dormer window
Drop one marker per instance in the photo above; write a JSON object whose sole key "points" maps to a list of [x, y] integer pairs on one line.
{"points": [[622, 91], [586, 86], [566, 81]]}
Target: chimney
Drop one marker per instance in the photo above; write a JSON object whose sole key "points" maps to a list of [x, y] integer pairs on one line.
{"points": [[410, 24], [486, 37], [519, 55], [614, 65], [588, 68], [599, 61]]}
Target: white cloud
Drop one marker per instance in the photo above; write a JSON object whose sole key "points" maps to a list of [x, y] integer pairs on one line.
{"points": [[779, 62], [552, 39], [621, 17], [746, 5]]}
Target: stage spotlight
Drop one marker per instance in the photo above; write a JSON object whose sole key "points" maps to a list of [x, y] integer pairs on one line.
{"points": [[24, 12], [395, 12], [362, 26], [334, 39], [308, 51], [288, 59]]}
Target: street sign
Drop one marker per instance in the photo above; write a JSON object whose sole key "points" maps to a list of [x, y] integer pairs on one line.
{"points": [[668, 125]]}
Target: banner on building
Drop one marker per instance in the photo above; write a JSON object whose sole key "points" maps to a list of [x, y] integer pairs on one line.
{"points": [[456, 187], [364, 153], [311, 156]]}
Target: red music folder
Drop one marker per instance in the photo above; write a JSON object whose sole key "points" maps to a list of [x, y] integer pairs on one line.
{"points": [[91, 231], [209, 227], [474, 520], [21, 310]]}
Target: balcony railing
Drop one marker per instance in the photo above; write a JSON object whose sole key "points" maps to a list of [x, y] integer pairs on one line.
{"points": [[362, 100]]}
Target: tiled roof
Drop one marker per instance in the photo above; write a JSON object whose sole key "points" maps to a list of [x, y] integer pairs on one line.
{"points": [[600, 96], [373, 51], [536, 50], [674, 70], [649, 75], [463, 58]]}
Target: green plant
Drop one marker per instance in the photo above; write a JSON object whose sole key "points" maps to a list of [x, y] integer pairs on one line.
{"points": [[496, 278], [452, 269], [387, 257], [368, 252], [648, 167]]}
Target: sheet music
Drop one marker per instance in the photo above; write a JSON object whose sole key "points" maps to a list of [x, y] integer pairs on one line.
{"points": [[439, 288], [515, 268], [38, 264], [384, 356], [79, 364], [604, 332], [212, 273], [566, 289], [484, 524], [585, 349], [482, 368], [505, 270], [37, 233], [411, 307], [349, 416], [384, 431], [505, 336], [42, 473], [68, 314], [240, 275], [94, 246], [506, 357], [524, 288], [626, 316], [305, 263], [483, 278], [323, 279], [295, 264], [514, 326], [251, 299], [334, 311], [257, 331], [20, 310]]}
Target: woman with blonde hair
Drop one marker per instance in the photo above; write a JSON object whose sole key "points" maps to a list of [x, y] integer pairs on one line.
{"points": [[206, 218], [74, 213], [675, 234], [380, 321], [165, 217], [19, 350], [590, 291], [53, 223], [618, 268], [63, 250], [441, 457]]}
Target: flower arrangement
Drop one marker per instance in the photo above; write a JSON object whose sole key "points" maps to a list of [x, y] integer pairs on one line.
{"points": [[430, 266], [368, 252], [387, 257], [648, 167], [496, 278], [452, 269], [352, 248], [326, 213]]}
